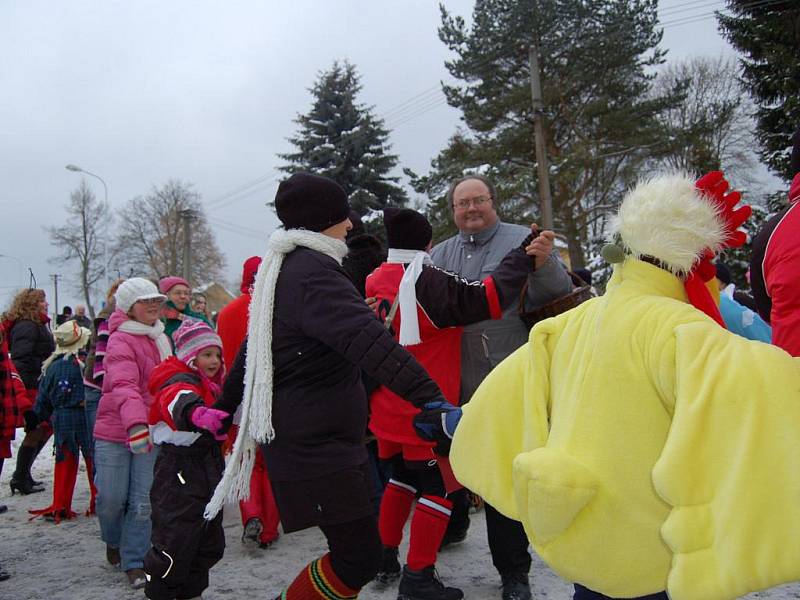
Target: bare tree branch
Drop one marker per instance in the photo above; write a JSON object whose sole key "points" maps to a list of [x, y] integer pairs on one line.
{"points": [[85, 239]]}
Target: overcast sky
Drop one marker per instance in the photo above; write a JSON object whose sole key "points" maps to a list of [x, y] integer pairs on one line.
{"points": [[205, 92]]}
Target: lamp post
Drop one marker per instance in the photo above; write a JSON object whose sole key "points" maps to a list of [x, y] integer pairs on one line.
{"points": [[19, 265], [77, 169]]}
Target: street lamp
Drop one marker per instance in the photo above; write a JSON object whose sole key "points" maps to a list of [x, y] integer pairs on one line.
{"points": [[77, 169]]}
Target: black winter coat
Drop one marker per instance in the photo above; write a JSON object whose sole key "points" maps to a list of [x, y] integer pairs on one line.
{"points": [[30, 344], [323, 334]]}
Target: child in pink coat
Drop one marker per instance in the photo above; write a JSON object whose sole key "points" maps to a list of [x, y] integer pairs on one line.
{"points": [[124, 455]]}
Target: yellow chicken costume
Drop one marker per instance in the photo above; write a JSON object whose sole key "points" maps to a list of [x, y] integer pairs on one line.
{"points": [[643, 446]]}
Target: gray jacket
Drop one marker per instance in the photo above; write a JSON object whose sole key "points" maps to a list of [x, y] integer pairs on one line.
{"points": [[475, 257]]}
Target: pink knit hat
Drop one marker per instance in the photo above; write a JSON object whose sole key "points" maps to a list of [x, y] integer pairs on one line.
{"points": [[167, 283], [192, 337]]}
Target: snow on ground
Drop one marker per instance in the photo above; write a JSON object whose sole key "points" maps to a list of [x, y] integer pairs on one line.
{"points": [[67, 561]]}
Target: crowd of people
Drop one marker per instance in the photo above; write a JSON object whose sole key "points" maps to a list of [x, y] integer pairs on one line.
{"points": [[331, 392]]}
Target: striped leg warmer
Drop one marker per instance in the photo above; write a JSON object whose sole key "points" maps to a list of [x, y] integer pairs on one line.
{"points": [[318, 582], [427, 530], [395, 508]]}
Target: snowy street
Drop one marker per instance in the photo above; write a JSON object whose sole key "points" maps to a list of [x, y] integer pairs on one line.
{"points": [[67, 561]]}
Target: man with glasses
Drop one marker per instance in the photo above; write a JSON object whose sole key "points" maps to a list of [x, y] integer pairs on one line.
{"points": [[475, 252]]}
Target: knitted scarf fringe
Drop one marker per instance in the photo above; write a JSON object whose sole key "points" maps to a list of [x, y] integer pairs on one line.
{"points": [[255, 426]]}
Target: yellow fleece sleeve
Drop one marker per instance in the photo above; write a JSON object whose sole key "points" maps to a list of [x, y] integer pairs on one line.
{"points": [[730, 467], [506, 417]]}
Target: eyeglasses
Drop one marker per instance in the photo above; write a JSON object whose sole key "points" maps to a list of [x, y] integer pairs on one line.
{"points": [[477, 201], [151, 301]]}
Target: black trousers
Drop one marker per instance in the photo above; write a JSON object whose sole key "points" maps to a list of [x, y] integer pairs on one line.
{"points": [[583, 593], [184, 545], [508, 543], [459, 516], [355, 549]]}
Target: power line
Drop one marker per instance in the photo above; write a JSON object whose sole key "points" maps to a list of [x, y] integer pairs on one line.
{"points": [[433, 98], [403, 112]]}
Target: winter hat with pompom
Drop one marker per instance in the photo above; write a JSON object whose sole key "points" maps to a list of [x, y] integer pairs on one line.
{"points": [[192, 337]]}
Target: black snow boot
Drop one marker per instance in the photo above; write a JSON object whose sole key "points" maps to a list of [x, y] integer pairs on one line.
{"points": [[516, 586], [389, 570], [425, 585]]}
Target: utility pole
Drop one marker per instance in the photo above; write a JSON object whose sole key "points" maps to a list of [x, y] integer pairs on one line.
{"points": [[542, 165], [55, 277], [187, 215]]}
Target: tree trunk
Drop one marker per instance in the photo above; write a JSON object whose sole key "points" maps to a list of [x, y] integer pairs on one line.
{"points": [[575, 242]]}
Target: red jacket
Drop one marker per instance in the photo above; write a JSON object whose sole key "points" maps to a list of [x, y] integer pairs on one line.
{"points": [[13, 397], [775, 273], [232, 328], [176, 389], [445, 301], [233, 318]]}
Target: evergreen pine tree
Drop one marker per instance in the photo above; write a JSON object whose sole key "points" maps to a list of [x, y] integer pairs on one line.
{"points": [[340, 138], [767, 34], [600, 117]]}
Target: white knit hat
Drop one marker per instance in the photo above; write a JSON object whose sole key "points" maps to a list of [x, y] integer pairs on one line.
{"points": [[134, 289]]}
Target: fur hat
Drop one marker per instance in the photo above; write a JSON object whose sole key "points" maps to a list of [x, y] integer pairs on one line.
{"points": [[679, 225], [167, 283], [134, 289], [667, 218], [406, 229], [311, 202], [192, 337]]}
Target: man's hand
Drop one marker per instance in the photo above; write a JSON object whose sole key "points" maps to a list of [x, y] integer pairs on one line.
{"points": [[437, 423], [372, 302], [542, 245]]}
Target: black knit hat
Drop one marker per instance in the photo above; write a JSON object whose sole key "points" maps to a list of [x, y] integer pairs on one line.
{"points": [[796, 152], [406, 229], [724, 273], [311, 202]]}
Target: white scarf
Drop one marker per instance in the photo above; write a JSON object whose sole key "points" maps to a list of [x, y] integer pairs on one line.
{"points": [[255, 426], [409, 324], [155, 332]]}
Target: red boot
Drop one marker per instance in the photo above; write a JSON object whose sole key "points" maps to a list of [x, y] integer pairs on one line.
{"points": [[92, 489], [69, 485], [66, 472]]}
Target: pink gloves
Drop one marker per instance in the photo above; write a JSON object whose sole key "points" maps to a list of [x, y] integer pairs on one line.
{"points": [[209, 419]]}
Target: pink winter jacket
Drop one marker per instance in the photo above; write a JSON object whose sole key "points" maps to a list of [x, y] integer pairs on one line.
{"points": [[125, 401]]}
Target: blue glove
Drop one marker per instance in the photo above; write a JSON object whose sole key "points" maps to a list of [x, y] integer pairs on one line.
{"points": [[437, 423]]}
